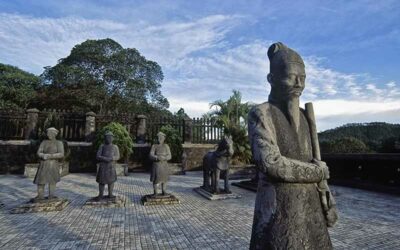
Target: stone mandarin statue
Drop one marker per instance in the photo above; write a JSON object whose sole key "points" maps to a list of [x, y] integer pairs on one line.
{"points": [[107, 154], [50, 152], [289, 211], [160, 154]]}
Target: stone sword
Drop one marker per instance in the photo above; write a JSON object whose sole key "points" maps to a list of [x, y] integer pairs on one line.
{"points": [[327, 199]]}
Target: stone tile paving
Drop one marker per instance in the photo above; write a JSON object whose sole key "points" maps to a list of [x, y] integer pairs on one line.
{"points": [[368, 220]]}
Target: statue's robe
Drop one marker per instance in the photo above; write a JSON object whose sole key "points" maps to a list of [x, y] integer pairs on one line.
{"points": [[160, 154], [288, 212], [106, 174], [49, 169]]}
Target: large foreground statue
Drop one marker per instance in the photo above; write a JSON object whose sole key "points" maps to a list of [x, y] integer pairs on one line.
{"points": [[294, 206], [50, 152]]}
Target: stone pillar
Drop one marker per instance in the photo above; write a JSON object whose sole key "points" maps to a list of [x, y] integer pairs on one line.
{"points": [[90, 126], [141, 129], [31, 124], [188, 135]]}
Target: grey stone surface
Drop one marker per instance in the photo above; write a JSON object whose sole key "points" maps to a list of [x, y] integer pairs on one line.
{"points": [[117, 201], [368, 220], [163, 199], [221, 196], [56, 204]]}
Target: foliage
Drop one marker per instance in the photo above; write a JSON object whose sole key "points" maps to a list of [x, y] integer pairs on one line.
{"points": [[181, 114], [232, 116], [52, 120], [17, 87], [372, 134], [121, 138], [344, 145], [173, 139], [102, 76], [390, 145]]}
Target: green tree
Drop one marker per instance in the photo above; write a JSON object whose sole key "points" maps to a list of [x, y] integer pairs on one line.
{"points": [[121, 138], [345, 145], [232, 116], [181, 114], [173, 139], [390, 145], [17, 87], [102, 76], [372, 134]]}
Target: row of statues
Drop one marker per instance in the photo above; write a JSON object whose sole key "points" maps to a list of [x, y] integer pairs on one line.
{"points": [[108, 154], [51, 150], [294, 206]]}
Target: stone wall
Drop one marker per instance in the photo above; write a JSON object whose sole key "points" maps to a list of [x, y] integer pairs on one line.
{"points": [[81, 156], [14, 155], [193, 155]]}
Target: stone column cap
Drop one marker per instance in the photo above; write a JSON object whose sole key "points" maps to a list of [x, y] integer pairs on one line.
{"points": [[141, 116], [90, 113]]}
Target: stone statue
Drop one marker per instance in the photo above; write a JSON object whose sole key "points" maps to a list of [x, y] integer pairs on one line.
{"points": [[160, 154], [107, 154], [50, 152], [216, 161], [293, 204]]}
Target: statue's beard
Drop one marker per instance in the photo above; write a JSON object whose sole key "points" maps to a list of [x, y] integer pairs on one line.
{"points": [[293, 112]]}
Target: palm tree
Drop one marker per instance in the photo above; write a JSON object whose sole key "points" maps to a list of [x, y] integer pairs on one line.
{"points": [[232, 116], [230, 112]]}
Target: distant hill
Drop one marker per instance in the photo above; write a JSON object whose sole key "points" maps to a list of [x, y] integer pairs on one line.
{"points": [[376, 135]]}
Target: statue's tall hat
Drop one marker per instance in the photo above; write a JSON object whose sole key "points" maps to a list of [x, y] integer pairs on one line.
{"points": [[280, 55]]}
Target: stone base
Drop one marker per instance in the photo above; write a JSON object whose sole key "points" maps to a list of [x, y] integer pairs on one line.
{"points": [[168, 199], [118, 201], [30, 169], [221, 196], [57, 204], [249, 185]]}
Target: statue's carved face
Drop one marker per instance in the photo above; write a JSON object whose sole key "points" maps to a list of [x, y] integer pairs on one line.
{"points": [[51, 135], [109, 139], [290, 81], [161, 139]]}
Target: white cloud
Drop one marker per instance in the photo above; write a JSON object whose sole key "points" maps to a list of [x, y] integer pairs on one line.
{"points": [[32, 43], [199, 65], [333, 113]]}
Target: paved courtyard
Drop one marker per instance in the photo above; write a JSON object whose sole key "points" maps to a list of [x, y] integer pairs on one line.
{"points": [[368, 220]]}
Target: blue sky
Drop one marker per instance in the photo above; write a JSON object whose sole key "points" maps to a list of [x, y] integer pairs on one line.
{"points": [[208, 48]]}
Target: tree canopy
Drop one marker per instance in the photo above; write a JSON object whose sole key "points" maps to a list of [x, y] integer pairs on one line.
{"points": [[17, 87], [232, 116], [376, 136], [102, 76]]}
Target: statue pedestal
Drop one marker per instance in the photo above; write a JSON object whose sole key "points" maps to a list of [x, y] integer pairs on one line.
{"points": [[221, 196], [57, 204], [249, 185], [117, 201], [168, 199]]}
